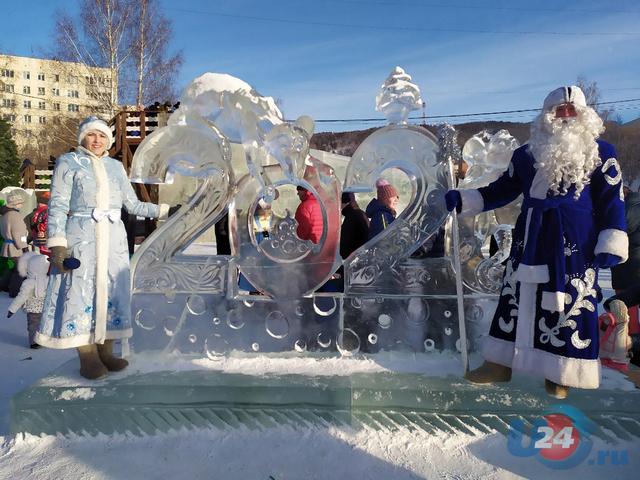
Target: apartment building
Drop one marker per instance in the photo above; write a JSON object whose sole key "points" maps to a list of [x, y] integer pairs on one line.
{"points": [[45, 99]]}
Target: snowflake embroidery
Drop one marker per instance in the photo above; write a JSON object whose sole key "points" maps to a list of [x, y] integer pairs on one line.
{"points": [[88, 309], [549, 334], [617, 178], [584, 289], [570, 248], [509, 290]]}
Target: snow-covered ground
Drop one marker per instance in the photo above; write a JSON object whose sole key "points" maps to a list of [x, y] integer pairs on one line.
{"points": [[276, 453]]}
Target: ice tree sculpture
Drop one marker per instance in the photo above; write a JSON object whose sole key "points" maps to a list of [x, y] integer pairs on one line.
{"points": [[398, 97]]}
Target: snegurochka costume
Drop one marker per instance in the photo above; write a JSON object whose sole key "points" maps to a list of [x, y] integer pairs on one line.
{"points": [[92, 303]]}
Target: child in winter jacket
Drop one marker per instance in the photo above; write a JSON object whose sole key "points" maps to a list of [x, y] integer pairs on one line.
{"points": [[32, 291]]}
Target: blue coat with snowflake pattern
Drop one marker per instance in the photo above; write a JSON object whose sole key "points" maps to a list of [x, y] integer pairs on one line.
{"points": [[546, 319], [69, 315]]}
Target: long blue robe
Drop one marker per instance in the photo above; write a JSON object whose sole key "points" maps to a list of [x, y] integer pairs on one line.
{"points": [[546, 319], [87, 194]]}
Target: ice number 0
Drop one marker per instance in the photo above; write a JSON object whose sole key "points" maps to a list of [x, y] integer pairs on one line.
{"points": [[283, 265]]}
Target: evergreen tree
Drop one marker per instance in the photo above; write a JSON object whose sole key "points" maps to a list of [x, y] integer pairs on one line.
{"points": [[9, 161]]}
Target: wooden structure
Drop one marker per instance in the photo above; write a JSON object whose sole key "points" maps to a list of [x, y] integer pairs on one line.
{"points": [[34, 178], [130, 128]]}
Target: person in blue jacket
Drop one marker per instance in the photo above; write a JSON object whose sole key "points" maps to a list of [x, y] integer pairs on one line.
{"points": [[572, 223], [382, 209]]}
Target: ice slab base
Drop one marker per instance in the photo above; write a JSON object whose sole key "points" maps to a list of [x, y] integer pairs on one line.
{"points": [[149, 401]]}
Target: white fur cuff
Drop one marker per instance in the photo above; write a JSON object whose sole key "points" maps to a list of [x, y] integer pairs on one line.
{"points": [[553, 301], [57, 242], [613, 241], [472, 203], [164, 211], [532, 273], [498, 351]]}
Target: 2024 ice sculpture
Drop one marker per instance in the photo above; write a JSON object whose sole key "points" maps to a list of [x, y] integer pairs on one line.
{"points": [[393, 299]]}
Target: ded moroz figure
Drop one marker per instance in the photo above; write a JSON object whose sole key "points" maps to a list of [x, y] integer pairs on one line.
{"points": [[572, 223], [89, 307]]}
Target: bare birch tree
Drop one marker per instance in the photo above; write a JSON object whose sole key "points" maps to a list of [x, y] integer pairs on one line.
{"points": [[131, 39], [591, 92], [99, 38], [154, 71]]}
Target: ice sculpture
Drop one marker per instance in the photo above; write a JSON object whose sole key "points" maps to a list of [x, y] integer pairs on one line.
{"points": [[395, 296], [299, 265], [197, 150], [288, 145], [487, 156], [398, 97], [237, 109], [376, 268]]}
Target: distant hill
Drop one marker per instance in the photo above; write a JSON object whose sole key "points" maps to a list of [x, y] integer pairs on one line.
{"points": [[345, 143], [626, 139]]}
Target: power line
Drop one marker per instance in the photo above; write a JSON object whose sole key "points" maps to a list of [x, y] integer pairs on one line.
{"points": [[405, 29], [448, 6], [462, 115], [370, 120]]}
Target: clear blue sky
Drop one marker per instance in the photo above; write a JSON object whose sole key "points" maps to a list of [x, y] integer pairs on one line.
{"points": [[328, 58]]}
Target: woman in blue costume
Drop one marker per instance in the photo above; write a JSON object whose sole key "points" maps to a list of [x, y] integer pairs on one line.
{"points": [[90, 307]]}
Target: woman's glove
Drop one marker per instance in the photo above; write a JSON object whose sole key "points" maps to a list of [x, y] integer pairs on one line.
{"points": [[453, 199], [57, 257], [606, 260]]}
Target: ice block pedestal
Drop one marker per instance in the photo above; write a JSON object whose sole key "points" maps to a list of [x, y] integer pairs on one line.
{"points": [[148, 398]]}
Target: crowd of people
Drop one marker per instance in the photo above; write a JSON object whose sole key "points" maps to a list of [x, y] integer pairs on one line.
{"points": [[24, 263]]}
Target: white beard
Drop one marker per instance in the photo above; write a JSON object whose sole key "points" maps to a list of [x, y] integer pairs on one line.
{"points": [[565, 150]]}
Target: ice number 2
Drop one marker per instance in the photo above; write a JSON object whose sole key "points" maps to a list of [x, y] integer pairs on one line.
{"points": [[192, 148], [414, 151]]}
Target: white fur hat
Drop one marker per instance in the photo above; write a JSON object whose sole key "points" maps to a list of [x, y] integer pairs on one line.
{"points": [[94, 123], [33, 263], [15, 200], [562, 95]]}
